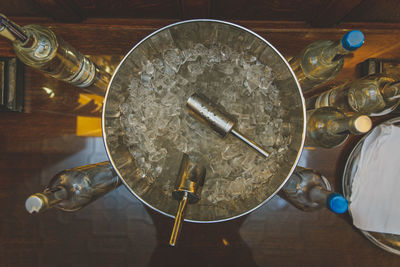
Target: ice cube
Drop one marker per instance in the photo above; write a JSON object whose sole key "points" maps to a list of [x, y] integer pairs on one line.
{"points": [[268, 136], [226, 52], [174, 124], [231, 151], [181, 81], [162, 122], [148, 68], [214, 55], [157, 171], [200, 50], [174, 58], [255, 75], [226, 68], [195, 68], [158, 155], [221, 167], [190, 54], [126, 108], [238, 187], [163, 82], [132, 120], [145, 79], [134, 84], [158, 64], [248, 58]]}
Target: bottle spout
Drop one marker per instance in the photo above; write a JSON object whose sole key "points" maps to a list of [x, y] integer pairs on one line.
{"points": [[11, 31]]}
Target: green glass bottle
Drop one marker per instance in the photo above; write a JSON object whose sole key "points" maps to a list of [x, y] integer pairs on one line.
{"points": [[374, 95], [329, 127], [322, 60]]}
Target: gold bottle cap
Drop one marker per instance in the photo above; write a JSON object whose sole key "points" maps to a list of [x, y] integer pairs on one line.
{"points": [[362, 124]]}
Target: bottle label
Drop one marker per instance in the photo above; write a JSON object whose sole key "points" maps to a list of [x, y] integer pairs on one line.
{"points": [[84, 77]]}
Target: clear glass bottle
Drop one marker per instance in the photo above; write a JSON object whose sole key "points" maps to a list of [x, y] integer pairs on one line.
{"points": [[72, 189], [322, 60], [374, 95], [39, 48], [329, 127], [308, 190]]}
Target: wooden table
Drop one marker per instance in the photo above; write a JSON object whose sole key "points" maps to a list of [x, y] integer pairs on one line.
{"points": [[118, 230]]}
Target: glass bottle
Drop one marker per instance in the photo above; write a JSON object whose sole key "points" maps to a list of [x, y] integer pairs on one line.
{"points": [[322, 60], [329, 127], [374, 95], [308, 190], [39, 48], [72, 189]]}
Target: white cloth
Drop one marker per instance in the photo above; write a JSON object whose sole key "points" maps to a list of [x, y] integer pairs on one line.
{"points": [[375, 197]]}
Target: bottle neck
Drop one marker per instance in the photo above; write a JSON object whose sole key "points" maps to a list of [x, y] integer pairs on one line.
{"points": [[30, 41], [333, 52], [292, 185], [356, 124], [319, 195], [391, 91], [47, 199], [331, 200]]}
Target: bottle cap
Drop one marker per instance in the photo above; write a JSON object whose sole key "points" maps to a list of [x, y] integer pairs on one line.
{"points": [[353, 40], [361, 124], [337, 203], [34, 204]]}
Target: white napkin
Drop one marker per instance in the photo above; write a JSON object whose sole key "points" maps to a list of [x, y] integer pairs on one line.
{"points": [[375, 198]]}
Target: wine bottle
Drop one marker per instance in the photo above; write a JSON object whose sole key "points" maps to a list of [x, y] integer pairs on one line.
{"points": [[374, 95], [308, 190], [72, 189], [329, 127], [40, 48], [322, 60]]}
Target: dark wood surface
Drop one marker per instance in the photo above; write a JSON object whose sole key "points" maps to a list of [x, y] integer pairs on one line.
{"points": [[117, 230], [61, 10], [332, 13], [319, 13], [375, 11]]}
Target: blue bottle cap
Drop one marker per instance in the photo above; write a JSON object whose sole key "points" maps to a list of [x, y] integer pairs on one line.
{"points": [[337, 203], [353, 40]]}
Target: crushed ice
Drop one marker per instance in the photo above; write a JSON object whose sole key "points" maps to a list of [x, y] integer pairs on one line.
{"points": [[157, 124]]}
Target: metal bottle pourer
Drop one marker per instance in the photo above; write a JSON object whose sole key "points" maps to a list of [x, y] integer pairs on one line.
{"points": [[188, 187], [203, 109], [11, 31]]}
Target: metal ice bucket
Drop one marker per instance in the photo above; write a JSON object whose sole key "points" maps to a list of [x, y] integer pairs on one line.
{"points": [[184, 35]]}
